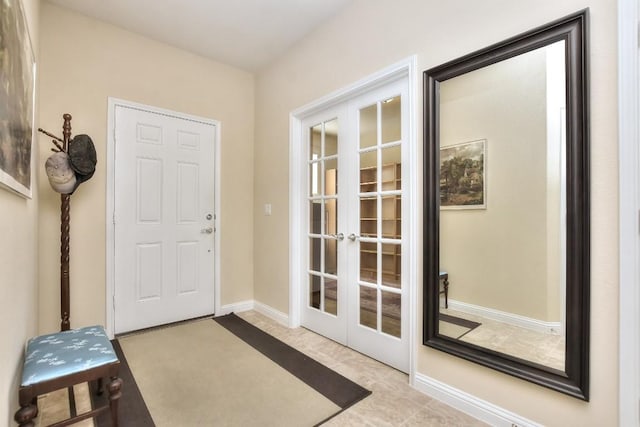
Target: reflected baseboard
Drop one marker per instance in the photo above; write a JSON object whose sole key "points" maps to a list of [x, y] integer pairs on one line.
{"points": [[554, 328]]}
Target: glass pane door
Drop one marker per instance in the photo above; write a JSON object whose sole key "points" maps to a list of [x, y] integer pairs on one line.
{"points": [[323, 234], [379, 296], [353, 287]]}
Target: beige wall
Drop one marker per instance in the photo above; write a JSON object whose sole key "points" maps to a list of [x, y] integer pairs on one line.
{"points": [[497, 257], [372, 34], [18, 269], [85, 61]]}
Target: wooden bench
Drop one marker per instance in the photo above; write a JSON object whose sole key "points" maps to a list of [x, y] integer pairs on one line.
{"points": [[444, 276], [62, 360]]}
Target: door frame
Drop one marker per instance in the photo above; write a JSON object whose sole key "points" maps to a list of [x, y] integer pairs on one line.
{"points": [[406, 69], [629, 209], [110, 202]]}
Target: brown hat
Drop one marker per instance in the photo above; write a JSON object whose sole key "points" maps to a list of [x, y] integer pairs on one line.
{"points": [[61, 176], [82, 157]]}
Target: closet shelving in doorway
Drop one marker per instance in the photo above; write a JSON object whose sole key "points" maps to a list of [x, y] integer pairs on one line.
{"points": [[391, 222]]}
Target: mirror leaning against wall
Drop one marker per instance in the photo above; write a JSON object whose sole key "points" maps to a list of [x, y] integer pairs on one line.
{"points": [[506, 255]]}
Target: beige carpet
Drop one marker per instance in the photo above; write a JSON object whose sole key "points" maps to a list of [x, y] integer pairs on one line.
{"points": [[198, 373]]}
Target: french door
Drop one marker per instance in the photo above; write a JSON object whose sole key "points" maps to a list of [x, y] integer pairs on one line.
{"points": [[354, 291]]}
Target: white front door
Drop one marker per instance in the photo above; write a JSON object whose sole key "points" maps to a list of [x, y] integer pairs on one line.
{"points": [[354, 291], [163, 218]]}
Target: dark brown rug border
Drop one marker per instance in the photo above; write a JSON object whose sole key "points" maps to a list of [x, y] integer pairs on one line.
{"points": [[470, 324], [335, 387], [459, 321], [132, 411]]}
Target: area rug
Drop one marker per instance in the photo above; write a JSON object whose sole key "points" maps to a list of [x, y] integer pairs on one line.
{"points": [[340, 390], [201, 373], [455, 327], [133, 412]]}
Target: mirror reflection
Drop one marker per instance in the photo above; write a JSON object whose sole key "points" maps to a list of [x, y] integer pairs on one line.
{"points": [[506, 215], [503, 206]]}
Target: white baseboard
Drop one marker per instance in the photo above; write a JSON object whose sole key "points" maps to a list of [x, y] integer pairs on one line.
{"points": [[272, 313], [509, 318], [261, 308], [236, 307], [469, 404]]}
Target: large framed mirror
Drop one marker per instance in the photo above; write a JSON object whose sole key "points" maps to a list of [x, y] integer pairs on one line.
{"points": [[506, 206]]}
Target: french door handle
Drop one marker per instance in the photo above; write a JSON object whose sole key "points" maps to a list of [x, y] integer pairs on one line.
{"points": [[353, 237], [207, 230], [339, 237]]}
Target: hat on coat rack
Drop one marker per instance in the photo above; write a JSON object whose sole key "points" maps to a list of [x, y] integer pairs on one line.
{"points": [[82, 157], [68, 169], [61, 177]]}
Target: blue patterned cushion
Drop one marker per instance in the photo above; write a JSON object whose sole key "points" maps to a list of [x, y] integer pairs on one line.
{"points": [[63, 353]]}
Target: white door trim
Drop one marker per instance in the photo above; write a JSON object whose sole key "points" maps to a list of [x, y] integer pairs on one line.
{"points": [[629, 188], [110, 202], [406, 68]]}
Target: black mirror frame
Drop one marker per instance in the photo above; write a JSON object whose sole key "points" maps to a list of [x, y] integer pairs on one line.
{"points": [[574, 381]]}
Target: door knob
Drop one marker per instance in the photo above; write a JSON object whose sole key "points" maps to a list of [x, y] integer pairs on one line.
{"points": [[353, 237], [339, 237], [207, 230]]}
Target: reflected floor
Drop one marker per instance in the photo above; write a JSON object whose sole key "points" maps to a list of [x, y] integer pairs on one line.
{"points": [[538, 347]]}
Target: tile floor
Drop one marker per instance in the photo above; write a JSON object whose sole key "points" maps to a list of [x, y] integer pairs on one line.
{"points": [[392, 403], [54, 407]]}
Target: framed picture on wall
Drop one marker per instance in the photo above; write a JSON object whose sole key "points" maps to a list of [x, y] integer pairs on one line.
{"points": [[17, 87], [462, 175]]}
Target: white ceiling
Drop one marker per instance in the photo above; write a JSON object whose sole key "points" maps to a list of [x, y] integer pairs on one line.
{"points": [[248, 34]]}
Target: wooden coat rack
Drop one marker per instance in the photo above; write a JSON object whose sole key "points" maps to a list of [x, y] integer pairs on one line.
{"points": [[65, 217], [65, 209]]}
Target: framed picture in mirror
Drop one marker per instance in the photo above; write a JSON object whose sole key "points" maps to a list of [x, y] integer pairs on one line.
{"points": [[462, 175]]}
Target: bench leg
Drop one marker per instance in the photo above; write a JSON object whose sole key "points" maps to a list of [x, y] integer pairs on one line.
{"points": [[100, 387], [25, 415], [446, 293], [114, 395]]}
